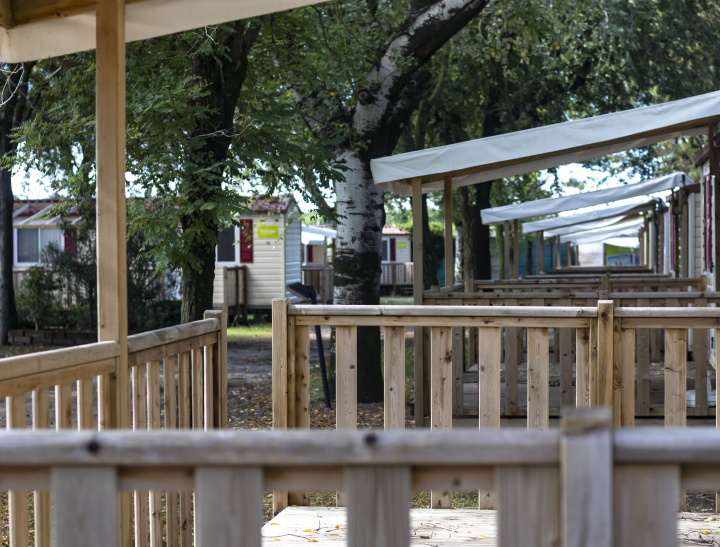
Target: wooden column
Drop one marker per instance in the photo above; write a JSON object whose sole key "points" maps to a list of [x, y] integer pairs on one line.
{"points": [[449, 255], [507, 270], [417, 298], [111, 221], [568, 254], [516, 249], [684, 242], [540, 254]]}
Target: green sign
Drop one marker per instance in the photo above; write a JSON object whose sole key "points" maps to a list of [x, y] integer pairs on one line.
{"points": [[402, 244], [267, 232]]}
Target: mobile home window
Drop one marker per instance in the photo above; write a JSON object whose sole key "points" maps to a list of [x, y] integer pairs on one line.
{"points": [[226, 245], [385, 251], [32, 242]]}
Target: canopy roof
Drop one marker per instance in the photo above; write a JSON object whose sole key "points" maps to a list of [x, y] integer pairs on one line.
{"points": [[48, 28], [531, 150], [601, 234], [549, 206], [607, 214]]}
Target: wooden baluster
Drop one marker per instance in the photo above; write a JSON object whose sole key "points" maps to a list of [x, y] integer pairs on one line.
{"points": [[645, 505], [441, 394], [291, 371], [299, 392], [346, 379], [279, 380], [565, 351], [489, 341], [378, 514], [395, 378], [17, 501], [604, 348], [208, 380], [63, 406], [139, 379], [184, 422], [457, 365], [155, 515], [676, 383], [700, 356], [538, 379], [586, 464], [582, 367], [197, 388], [170, 406], [88, 514], [41, 420], [643, 365], [85, 411], [529, 506], [228, 507], [512, 360], [219, 365]]}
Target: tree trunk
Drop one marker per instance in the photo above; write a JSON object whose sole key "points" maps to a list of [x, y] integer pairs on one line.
{"points": [[476, 244], [8, 311], [357, 264]]}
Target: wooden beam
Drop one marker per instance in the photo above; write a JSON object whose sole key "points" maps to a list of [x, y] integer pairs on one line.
{"points": [[714, 163], [417, 298], [449, 256], [34, 11], [6, 14]]}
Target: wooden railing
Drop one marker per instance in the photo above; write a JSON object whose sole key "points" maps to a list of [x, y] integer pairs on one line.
{"points": [[609, 283], [321, 277], [191, 360], [583, 485], [395, 274]]}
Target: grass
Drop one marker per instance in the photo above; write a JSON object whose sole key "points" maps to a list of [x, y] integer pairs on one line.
{"points": [[249, 333], [396, 300]]}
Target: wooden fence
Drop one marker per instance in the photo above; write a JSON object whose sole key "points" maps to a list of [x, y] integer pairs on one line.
{"points": [[230, 290], [583, 485], [396, 275], [191, 360]]}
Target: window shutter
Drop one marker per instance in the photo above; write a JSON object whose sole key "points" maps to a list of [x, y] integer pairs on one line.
{"points": [[246, 240], [70, 246], [392, 249], [309, 253]]}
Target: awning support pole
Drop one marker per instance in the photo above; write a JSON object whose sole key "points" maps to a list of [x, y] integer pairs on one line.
{"points": [[507, 272], [449, 270], [516, 249], [540, 254], [417, 297]]}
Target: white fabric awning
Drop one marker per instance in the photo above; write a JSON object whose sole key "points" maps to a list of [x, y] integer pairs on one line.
{"points": [[321, 231], [550, 206], [71, 32], [601, 234], [531, 150], [548, 234], [606, 213]]}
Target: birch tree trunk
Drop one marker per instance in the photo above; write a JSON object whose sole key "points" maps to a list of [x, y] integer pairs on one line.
{"points": [[357, 263]]}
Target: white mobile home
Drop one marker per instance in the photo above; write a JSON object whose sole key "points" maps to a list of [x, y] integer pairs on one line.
{"points": [[266, 247]]}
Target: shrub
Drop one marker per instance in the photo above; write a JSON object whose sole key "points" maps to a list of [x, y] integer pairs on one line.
{"points": [[37, 301]]}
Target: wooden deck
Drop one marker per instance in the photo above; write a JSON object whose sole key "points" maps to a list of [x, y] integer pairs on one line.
{"points": [[438, 527]]}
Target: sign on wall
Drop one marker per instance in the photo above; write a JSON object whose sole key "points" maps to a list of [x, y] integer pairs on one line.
{"points": [[267, 232], [402, 244]]}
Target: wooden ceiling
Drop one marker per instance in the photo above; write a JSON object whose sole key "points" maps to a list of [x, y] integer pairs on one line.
{"points": [[15, 13]]}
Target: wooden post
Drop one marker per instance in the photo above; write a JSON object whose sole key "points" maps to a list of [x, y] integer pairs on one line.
{"points": [[684, 242], [601, 380], [568, 254], [449, 256], [540, 254], [279, 380], [489, 392], [219, 376], [586, 464], [441, 395], [417, 299], [516, 249], [111, 222], [714, 163], [507, 270]]}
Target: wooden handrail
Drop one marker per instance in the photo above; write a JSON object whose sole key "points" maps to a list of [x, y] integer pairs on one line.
{"points": [[435, 311], [168, 335]]}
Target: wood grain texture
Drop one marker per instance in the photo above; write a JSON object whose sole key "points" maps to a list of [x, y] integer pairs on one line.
{"points": [[441, 379], [155, 516], [85, 409], [17, 500], [645, 505], [586, 465], [302, 377], [700, 356], [394, 378], [565, 348], [208, 392], [63, 406], [538, 403], [529, 506], [627, 381], [229, 510], [513, 357], [218, 408], [582, 368], [643, 366], [279, 363], [291, 371], [171, 422], [89, 515], [605, 353], [197, 391], [675, 377], [140, 423], [43, 516], [378, 499], [489, 393], [346, 375]]}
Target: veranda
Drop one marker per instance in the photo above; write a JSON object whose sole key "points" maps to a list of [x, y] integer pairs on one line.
{"points": [[122, 487]]}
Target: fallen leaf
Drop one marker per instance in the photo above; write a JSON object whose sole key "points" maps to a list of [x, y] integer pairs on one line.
{"points": [[710, 519], [307, 530], [704, 532], [274, 524], [276, 539], [424, 537], [337, 526], [312, 541]]}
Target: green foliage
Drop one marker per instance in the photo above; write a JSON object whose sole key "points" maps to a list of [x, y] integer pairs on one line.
{"points": [[36, 298]]}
